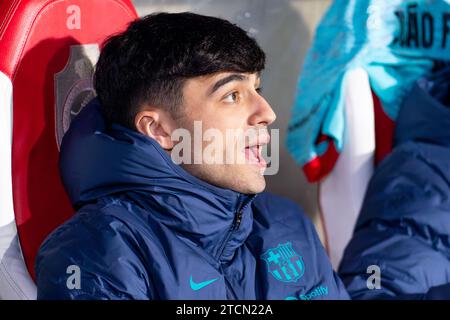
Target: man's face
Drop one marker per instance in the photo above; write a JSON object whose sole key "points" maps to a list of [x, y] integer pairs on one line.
{"points": [[231, 116]]}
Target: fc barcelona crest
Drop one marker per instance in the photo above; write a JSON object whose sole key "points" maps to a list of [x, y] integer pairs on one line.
{"points": [[284, 263]]}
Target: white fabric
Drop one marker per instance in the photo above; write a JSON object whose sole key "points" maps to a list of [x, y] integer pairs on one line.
{"points": [[342, 192], [6, 199], [15, 281]]}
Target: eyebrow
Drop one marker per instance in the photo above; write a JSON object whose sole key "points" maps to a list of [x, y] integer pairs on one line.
{"points": [[224, 81]]}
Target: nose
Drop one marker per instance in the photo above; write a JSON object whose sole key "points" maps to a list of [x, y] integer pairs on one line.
{"points": [[262, 113]]}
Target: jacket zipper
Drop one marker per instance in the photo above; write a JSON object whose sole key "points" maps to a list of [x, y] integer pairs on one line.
{"points": [[236, 224], [238, 220]]}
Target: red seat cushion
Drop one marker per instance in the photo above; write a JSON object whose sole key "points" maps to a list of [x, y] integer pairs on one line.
{"points": [[35, 41]]}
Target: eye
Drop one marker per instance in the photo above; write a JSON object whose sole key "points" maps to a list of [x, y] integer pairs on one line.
{"points": [[232, 97]]}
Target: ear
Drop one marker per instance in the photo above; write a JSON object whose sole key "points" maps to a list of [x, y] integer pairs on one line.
{"points": [[156, 125]]}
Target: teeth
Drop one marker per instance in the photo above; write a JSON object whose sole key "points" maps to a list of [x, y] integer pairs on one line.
{"points": [[256, 152]]}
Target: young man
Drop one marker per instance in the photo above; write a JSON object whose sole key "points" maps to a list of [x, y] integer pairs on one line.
{"points": [[147, 228]]}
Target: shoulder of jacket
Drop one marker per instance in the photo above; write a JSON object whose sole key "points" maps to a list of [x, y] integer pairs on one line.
{"points": [[280, 211], [94, 226]]}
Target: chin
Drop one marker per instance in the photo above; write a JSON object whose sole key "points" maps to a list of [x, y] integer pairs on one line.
{"points": [[253, 184], [246, 181], [259, 188], [254, 189]]}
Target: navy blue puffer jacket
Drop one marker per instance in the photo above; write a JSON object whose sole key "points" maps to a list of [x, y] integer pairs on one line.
{"points": [[147, 229]]}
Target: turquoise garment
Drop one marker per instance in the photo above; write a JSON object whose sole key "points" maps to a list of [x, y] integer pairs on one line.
{"points": [[395, 41]]}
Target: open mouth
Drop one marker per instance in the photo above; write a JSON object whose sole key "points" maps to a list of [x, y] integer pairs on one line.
{"points": [[253, 154]]}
